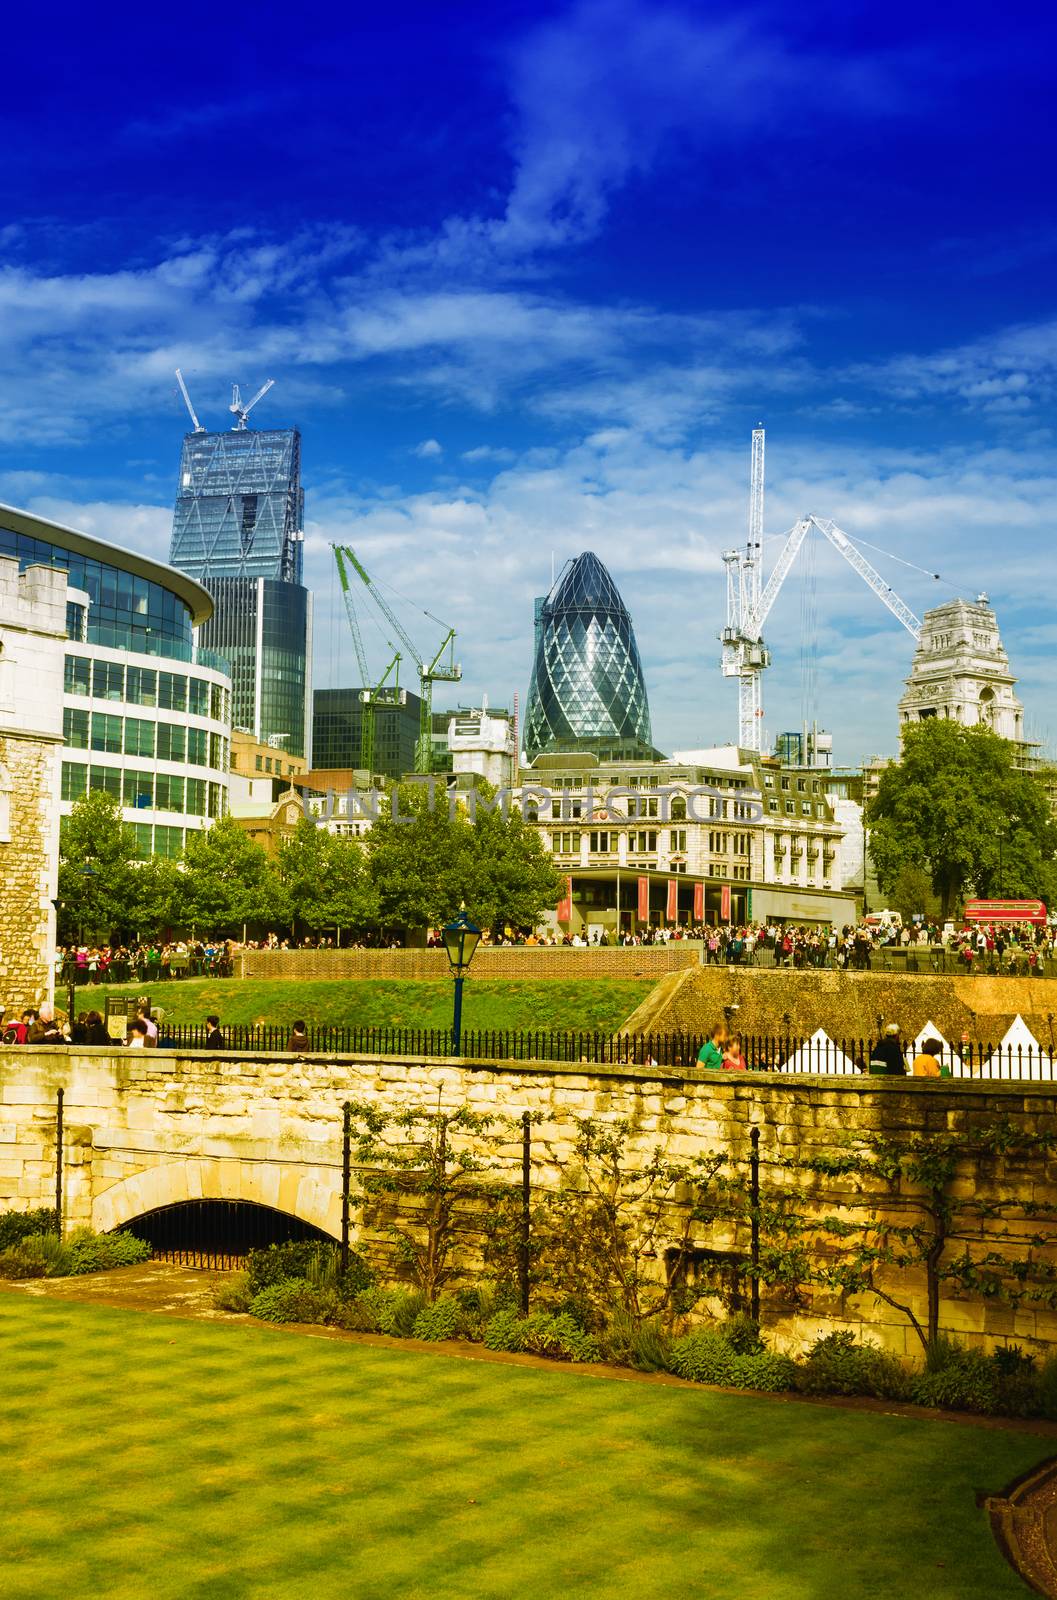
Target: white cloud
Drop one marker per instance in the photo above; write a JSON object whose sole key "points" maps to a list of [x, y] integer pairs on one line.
{"points": [[428, 450]]}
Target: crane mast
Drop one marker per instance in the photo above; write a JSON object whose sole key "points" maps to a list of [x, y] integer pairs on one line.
{"points": [[749, 600]]}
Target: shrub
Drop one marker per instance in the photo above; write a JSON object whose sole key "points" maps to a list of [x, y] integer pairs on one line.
{"points": [[743, 1335], [703, 1356], [543, 1334], [836, 1364], [644, 1345], [1046, 1388], [707, 1356], [292, 1300], [958, 1379], [233, 1293], [99, 1252], [316, 1260], [18, 1225], [444, 1319], [39, 1255], [392, 1311]]}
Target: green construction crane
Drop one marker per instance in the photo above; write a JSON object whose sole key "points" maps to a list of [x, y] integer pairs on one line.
{"points": [[372, 697], [429, 672]]}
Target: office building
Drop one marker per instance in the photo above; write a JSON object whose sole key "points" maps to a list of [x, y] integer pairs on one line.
{"points": [[146, 714], [336, 730], [587, 691], [238, 529]]}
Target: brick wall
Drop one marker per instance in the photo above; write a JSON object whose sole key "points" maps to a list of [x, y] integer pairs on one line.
{"points": [[522, 961], [27, 869]]}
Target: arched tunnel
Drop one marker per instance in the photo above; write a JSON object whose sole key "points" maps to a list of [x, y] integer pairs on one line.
{"points": [[217, 1233]]}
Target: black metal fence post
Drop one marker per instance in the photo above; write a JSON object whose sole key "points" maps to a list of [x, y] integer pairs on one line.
{"points": [[526, 1211], [58, 1161], [754, 1200], [346, 1181]]}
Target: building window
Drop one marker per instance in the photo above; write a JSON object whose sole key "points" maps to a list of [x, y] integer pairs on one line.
{"points": [[197, 796], [645, 840], [108, 779], [144, 833], [790, 808], [172, 691], [677, 841], [171, 742], [197, 747], [785, 783], [218, 702], [106, 733], [138, 789], [108, 680], [168, 792], [198, 697], [78, 675], [805, 807], [142, 686], [772, 805], [801, 784], [600, 844], [139, 737], [258, 766], [566, 844], [716, 869], [75, 728], [74, 780], [168, 843], [717, 843]]}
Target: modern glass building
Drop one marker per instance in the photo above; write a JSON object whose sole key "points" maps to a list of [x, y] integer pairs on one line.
{"points": [[587, 691], [146, 715], [336, 723], [240, 508], [237, 529]]}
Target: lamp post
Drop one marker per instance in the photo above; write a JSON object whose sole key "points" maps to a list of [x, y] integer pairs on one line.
{"points": [[461, 938]]}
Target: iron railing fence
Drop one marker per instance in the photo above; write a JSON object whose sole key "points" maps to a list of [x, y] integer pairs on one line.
{"points": [[675, 1052]]}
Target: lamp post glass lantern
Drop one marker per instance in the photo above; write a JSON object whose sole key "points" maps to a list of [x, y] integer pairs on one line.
{"points": [[461, 938]]}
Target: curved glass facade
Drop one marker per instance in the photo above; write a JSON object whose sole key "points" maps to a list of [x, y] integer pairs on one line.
{"points": [[127, 612], [587, 690]]}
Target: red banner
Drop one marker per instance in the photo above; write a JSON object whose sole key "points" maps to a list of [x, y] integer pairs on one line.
{"points": [[699, 902], [724, 903], [644, 900], [565, 904], [673, 900]]}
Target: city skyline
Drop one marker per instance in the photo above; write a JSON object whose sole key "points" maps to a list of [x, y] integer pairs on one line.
{"points": [[532, 294]]}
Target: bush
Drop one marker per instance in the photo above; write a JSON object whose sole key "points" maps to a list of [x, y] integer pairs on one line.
{"points": [[444, 1319], [40, 1255], [392, 1311], [543, 1334], [642, 1345], [293, 1300], [315, 1260], [958, 1379], [233, 1293], [18, 1225], [743, 1335], [708, 1356], [99, 1252], [836, 1364]]}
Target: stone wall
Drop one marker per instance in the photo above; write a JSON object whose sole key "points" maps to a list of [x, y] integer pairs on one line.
{"points": [[145, 1129], [848, 1004], [519, 961]]}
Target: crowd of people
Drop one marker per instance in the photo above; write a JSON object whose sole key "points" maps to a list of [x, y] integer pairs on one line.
{"points": [[888, 1056]]}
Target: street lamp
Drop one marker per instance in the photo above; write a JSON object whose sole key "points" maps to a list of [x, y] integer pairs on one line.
{"points": [[461, 938]]}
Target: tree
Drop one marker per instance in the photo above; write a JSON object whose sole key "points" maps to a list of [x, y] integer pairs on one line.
{"points": [[326, 879], [956, 807], [515, 879], [228, 880], [97, 872], [911, 893]]}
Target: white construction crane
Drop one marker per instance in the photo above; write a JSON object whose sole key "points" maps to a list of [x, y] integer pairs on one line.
{"points": [[240, 411], [187, 402], [749, 604]]}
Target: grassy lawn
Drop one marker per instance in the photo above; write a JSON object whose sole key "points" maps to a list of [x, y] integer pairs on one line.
{"points": [[411, 1003], [145, 1456]]}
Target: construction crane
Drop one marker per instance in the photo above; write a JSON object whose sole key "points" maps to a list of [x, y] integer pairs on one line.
{"points": [[372, 696], [749, 602], [198, 428], [240, 411], [435, 670]]}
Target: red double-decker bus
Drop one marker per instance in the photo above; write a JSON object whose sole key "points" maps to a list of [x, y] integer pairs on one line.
{"points": [[1033, 911]]}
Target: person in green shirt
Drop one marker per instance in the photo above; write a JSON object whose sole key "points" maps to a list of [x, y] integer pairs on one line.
{"points": [[710, 1054]]}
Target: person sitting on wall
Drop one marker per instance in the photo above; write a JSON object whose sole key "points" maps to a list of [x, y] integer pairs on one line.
{"points": [[710, 1055], [45, 1030], [886, 1058], [733, 1060], [928, 1064], [137, 1034], [214, 1038], [298, 1037]]}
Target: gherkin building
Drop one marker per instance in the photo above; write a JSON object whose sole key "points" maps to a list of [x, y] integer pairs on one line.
{"points": [[587, 691]]}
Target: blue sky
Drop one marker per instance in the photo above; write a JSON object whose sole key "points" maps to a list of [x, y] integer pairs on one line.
{"points": [[527, 275]]}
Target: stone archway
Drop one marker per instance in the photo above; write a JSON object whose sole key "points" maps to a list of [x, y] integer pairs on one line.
{"points": [[312, 1194]]}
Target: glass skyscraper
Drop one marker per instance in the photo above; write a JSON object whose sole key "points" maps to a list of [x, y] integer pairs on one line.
{"points": [[587, 690], [238, 529], [337, 721]]}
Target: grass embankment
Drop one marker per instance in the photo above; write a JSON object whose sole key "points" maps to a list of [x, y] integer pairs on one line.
{"points": [[377, 1002], [231, 1461]]}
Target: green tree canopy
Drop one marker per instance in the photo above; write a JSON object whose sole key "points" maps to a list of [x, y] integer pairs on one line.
{"points": [[326, 880], [957, 806], [228, 880], [97, 890]]}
